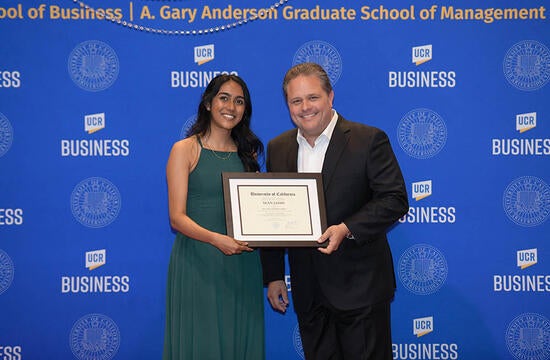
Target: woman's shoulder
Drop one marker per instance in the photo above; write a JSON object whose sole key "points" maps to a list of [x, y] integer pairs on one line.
{"points": [[187, 148], [185, 144]]}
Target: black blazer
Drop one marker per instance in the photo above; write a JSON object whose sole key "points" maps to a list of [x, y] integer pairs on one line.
{"points": [[364, 188]]}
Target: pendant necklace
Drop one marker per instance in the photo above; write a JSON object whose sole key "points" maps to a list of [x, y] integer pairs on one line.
{"points": [[226, 157]]}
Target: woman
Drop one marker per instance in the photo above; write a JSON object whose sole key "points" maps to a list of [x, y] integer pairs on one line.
{"points": [[214, 289]]}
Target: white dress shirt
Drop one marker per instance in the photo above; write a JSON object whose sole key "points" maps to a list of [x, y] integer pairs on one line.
{"points": [[310, 158]]}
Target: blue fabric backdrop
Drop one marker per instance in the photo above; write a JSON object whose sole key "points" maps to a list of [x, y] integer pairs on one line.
{"points": [[93, 94]]}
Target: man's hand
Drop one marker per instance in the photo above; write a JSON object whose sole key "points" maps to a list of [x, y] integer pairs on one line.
{"points": [[277, 295], [335, 234]]}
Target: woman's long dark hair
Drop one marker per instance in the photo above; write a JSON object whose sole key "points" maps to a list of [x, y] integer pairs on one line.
{"points": [[249, 146]]}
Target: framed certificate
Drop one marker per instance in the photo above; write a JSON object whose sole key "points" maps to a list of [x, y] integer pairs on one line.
{"points": [[274, 209]]}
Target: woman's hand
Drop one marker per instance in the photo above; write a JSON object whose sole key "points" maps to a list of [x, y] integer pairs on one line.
{"points": [[230, 246]]}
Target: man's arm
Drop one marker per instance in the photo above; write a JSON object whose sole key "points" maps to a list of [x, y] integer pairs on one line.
{"points": [[273, 268], [389, 199]]}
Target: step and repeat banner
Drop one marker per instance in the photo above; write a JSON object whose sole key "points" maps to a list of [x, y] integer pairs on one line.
{"points": [[94, 93]]}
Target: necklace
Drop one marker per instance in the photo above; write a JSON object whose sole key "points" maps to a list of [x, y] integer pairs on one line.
{"points": [[221, 157], [214, 152]]}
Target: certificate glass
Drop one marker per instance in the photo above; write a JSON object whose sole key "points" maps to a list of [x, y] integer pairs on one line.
{"points": [[274, 209]]}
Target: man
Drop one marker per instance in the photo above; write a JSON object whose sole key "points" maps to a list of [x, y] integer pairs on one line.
{"points": [[341, 292]]}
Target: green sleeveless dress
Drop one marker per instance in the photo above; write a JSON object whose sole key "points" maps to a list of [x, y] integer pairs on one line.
{"points": [[214, 302]]}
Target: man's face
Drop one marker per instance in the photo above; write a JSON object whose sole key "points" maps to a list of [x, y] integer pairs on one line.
{"points": [[309, 105]]}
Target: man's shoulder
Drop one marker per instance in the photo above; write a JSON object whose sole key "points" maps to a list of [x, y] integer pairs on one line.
{"points": [[358, 127], [289, 135]]}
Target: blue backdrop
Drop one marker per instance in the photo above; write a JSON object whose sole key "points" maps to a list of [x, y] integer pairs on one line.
{"points": [[93, 94]]}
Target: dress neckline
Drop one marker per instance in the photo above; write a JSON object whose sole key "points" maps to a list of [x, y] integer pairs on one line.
{"points": [[214, 151]]}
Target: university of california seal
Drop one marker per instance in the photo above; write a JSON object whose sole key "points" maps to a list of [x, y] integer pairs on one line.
{"points": [[422, 133], [422, 269], [297, 340], [6, 134], [526, 65], [321, 53], [187, 126], [93, 65], [526, 201], [95, 202], [528, 337], [7, 271], [94, 337]]}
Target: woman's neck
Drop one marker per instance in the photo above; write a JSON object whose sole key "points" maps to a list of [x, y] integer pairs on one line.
{"points": [[218, 141]]}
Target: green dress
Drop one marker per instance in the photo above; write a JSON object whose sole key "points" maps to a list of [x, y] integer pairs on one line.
{"points": [[214, 302]]}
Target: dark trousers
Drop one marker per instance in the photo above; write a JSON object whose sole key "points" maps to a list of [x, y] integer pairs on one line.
{"points": [[360, 334]]}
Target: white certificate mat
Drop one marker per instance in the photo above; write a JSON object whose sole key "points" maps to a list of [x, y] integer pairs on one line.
{"points": [[274, 209]]}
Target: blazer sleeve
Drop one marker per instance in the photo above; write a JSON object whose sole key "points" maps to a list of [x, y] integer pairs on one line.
{"points": [[388, 196], [273, 264]]}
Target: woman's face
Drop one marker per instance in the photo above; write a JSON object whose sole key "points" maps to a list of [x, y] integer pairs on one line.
{"points": [[227, 107]]}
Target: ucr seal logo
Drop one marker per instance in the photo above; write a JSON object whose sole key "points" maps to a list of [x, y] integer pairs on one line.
{"points": [[187, 126], [526, 201], [526, 65], [528, 337], [323, 54], [6, 271], [95, 202], [422, 133], [94, 337], [298, 341], [6, 134], [422, 269], [93, 65]]}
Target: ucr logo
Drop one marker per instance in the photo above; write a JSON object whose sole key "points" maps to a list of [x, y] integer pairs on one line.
{"points": [[421, 189], [526, 122], [94, 122], [204, 54], [95, 259], [526, 258], [423, 326], [421, 54]]}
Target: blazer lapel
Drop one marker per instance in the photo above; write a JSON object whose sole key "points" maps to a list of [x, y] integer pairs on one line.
{"points": [[292, 152], [338, 141]]}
